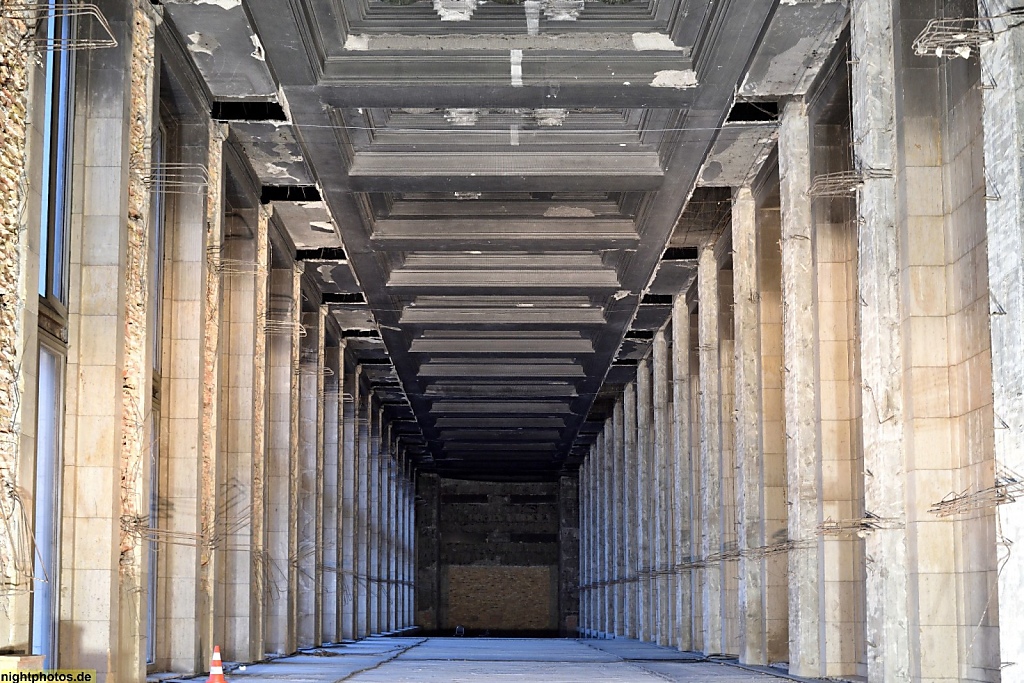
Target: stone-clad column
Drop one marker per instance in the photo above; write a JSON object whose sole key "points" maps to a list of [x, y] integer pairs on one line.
{"points": [[309, 455], [346, 489], [644, 509], [600, 515], [595, 542], [136, 393], [259, 565], [209, 455], [584, 549], [874, 85], [607, 526], [340, 553], [408, 539], [106, 423], [372, 528], [1003, 63], [619, 527], [710, 447], [294, 451], [750, 466], [663, 488], [881, 338], [803, 449], [681, 501], [361, 410], [587, 561], [629, 498], [318, 500]]}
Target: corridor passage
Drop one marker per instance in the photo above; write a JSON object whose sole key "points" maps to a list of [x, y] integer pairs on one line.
{"points": [[458, 660]]}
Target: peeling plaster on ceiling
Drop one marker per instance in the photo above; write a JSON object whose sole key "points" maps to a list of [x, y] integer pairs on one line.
{"points": [[738, 154], [223, 4], [267, 143], [354, 318], [306, 225], [654, 41], [568, 212], [550, 117], [202, 44], [675, 79], [223, 48], [794, 48]]}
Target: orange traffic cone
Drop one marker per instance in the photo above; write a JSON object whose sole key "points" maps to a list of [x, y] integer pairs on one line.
{"points": [[216, 670]]}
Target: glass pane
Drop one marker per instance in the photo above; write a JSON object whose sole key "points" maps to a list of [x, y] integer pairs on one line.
{"points": [[47, 483], [157, 247], [154, 521], [62, 166], [49, 60]]}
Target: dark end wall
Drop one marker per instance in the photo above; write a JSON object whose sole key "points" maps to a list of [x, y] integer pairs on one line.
{"points": [[497, 556]]}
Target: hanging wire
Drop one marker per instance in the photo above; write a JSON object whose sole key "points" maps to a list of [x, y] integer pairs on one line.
{"points": [[1008, 487], [44, 12], [174, 178], [962, 36]]}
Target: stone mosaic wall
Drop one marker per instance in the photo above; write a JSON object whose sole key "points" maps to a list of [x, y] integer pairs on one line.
{"points": [[13, 102]]}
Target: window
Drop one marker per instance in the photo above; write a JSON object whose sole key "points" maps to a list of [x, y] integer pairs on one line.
{"points": [[49, 427], [157, 218], [56, 175]]}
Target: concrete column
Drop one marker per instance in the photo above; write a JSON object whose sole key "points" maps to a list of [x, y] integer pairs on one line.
{"points": [[181, 385], [372, 518], [381, 522], [750, 466], [308, 476], [318, 501], [586, 578], [237, 508], [710, 449], [629, 508], [359, 587], [294, 457], [346, 492], [411, 548], [663, 489], [333, 431], [595, 591], [607, 528], [644, 509], [108, 373], [682, 511], [618, 530], [747, 318], [600, 554], [209, 454], [1002, 63], [279, 624], [387, 544], [259, 564], [802, 408], [874, 85]]}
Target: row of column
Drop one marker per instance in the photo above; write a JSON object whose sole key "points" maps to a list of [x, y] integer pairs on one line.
{"points": [[339, 493], [803, 470], [229, 476]]}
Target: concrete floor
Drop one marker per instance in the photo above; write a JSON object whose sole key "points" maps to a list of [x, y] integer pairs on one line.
{"points": [[462, 660]]}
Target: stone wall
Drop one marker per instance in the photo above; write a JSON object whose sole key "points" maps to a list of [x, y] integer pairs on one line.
{"points": [[13, 98], [488, 556]]}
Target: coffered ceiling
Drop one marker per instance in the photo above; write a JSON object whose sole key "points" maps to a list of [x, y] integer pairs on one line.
{"points": [[503, 178]]}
